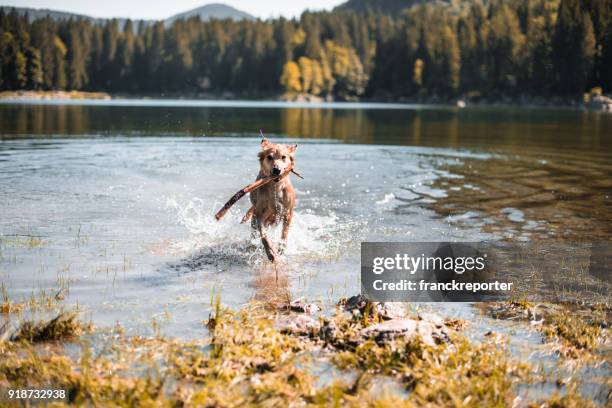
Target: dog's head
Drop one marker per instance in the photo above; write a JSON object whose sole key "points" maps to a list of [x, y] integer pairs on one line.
{"points": [[275, 158]]}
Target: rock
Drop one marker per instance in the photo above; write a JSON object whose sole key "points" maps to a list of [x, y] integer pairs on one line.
{"points": [[436, 319], [601, 103], [357, 302], [386, 310], [391, 329], [390, 310], [329, 331], [408, 329], [302, 307], [300, 324], [431, 334]]}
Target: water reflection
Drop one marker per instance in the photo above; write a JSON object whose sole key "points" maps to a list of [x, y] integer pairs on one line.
{"points": [[549, 174], [498, 129]]}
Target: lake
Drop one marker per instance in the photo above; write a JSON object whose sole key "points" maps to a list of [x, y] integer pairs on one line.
{"points": [[113, 201]]}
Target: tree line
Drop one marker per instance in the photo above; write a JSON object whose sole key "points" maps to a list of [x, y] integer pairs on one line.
{"points": [[512, 47]]}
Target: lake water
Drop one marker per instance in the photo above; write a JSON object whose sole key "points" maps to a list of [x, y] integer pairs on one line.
{"points": [[114, 200]]}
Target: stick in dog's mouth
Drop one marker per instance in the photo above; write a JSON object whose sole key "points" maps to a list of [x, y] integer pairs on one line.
{"points": [[252, 187]]}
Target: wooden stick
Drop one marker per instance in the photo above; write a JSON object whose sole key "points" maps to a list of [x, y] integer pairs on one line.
{"points": [[251, 187], [297, 174]]}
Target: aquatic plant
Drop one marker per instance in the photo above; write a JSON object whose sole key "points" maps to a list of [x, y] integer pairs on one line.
{"points": [[64, 326], [573, 329]]}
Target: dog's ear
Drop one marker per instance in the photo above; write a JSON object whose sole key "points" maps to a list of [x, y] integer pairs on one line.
{"points": [[292, 148], [265, 143]]}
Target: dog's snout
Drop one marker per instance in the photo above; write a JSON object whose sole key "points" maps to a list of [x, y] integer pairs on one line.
{"points": [[276, 171]]}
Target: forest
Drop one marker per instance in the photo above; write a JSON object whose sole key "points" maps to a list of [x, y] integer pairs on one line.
{"points": [[443, 49]]}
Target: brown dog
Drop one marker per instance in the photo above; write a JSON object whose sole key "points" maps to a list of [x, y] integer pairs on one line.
{"points": [[274, 201]]}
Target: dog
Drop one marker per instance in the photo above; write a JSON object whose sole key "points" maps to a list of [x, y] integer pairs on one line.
{"points": [[273, 202]]}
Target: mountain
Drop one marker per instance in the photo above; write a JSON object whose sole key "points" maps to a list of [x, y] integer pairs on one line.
{"points": [[206, 12], [210, 11], [35, 14], [392, 7]]}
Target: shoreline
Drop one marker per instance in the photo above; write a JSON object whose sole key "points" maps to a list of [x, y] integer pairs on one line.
{"points": [[272, 352], [597, 103], [24, 95]]}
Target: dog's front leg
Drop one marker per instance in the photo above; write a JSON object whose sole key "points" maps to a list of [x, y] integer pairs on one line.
{"points": [[270, 252], [285, 234]]}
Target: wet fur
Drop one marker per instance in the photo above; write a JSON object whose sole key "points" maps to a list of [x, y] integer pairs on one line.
{"points": [[274, 202]]}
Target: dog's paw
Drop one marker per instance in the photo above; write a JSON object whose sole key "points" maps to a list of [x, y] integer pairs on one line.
{"points": [[271, 254]]}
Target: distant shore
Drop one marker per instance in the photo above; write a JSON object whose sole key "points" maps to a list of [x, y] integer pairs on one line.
{"points": [[591, 102], [52, 95]]}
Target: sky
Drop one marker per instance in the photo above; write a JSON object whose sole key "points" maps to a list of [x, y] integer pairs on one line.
{"points": [[160, 9]]}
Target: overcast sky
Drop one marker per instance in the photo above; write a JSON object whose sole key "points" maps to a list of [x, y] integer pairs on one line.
{"points": [[159, 9]]}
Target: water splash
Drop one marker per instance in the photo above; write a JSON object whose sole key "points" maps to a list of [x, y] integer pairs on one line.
{"points": [[313, 237]]}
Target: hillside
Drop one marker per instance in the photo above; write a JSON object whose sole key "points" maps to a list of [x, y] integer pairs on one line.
{"points": [[35, 14], [205, 12], [212, 11], [391, 7]]}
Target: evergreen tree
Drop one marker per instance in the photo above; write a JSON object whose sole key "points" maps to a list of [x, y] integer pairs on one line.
{"points": [[125, 57], [312, 43], [76, 58], [35, 69], [59, 53], [573, 48], [504, 47]]}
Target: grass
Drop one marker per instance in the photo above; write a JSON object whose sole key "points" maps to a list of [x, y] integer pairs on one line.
{"points": [[7, 306], [570, 399], [43, 300], [248, 361], [23, 241], [64, 326], [574, 330]]}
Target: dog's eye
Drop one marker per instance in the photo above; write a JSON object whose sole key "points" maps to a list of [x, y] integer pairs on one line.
{"points": [[270, 157], [284, 157]]}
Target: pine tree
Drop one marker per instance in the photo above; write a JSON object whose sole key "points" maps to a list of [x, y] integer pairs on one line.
{"points": [[312, 43], [125, 56], [76, 57], [451, 59], [587, 49], [59, 53], [573, 48], [505, 45], [35, 70]]}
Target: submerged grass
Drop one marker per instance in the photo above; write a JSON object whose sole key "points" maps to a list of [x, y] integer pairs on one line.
{"points": [[575, 330], [62, 327]]}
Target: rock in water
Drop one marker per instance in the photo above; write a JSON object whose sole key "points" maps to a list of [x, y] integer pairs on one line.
{"points": [[437, 320], [299, 324], [386, 310], [390, 310], [300, 306], [408, 329], [391, 329]]}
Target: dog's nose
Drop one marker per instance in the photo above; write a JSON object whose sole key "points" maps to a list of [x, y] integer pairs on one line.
{"points": [[276, 171]]}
